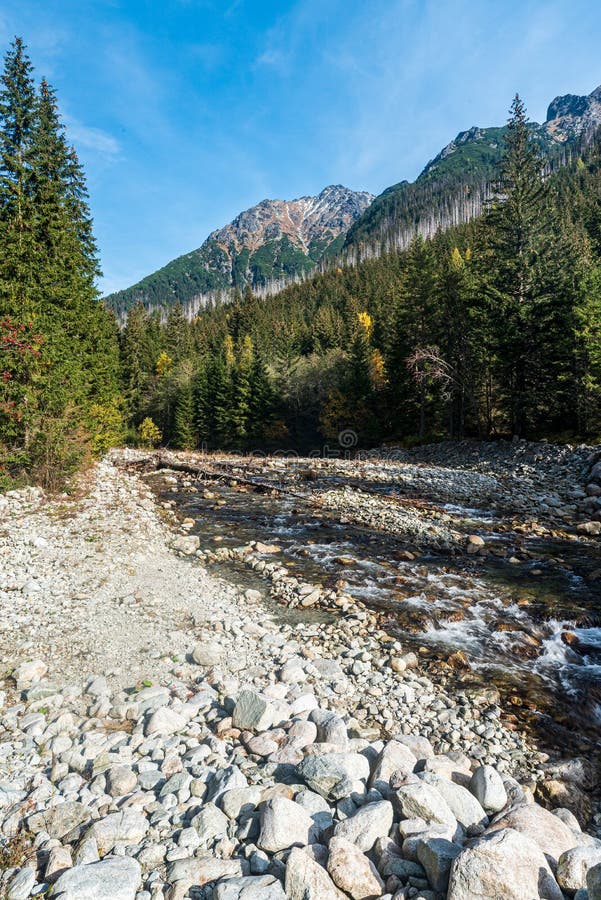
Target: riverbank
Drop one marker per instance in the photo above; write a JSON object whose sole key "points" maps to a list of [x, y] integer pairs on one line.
{"points": [[126, 731]]}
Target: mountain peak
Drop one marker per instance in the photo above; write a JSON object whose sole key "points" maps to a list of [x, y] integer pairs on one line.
{"points": [[571, 114], [264, 246]]}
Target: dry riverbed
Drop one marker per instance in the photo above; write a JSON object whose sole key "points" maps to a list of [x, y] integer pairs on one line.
{"points": [[167, 733]]}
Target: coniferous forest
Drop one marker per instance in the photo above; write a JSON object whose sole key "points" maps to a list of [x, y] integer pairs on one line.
{"points": [[492, 328]]}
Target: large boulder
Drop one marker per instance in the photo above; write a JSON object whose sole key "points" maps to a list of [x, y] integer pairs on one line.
{"points": [[352, 871], [541, 826], [394, 757], [461, 802], [370, 822], [249, 887], [325, 772], [573, 867], [437, 855], [284, 824], [127, 827], [487, 787], [115, 878], [422, 800], [307, 880], [504, 865]]}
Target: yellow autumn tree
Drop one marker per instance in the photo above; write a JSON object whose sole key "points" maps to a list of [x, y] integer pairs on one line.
{"points": [[163, 364]]}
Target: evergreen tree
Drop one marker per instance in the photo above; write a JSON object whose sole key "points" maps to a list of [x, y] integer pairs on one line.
{"points": [[18, 110], [184, 417]]}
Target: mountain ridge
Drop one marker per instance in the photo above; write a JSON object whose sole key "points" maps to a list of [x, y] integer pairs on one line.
{"points": [[277, 242]]}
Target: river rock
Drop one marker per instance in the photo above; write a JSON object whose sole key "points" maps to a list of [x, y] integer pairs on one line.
{"points": [[252, 712], [593, 883], [207, 654], [165, 721], [110, 879], [325, 772], [20, 885], [504, 865], [436, 855], [307, 880], [187, 544], [201, 870], [330, 727], [29, 673], [120, 780], [210, 823], [425, 802], [249, 887], [352, 871], [370, 822], [59, 820], [487, 787], [393, 757], [540, 826], [462, 804], [284, 824], [573, 866], [127, 827]]}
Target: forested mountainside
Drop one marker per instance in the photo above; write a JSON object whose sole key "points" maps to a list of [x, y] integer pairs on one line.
{"points": [[276, 242], [492, 327], [271, 243], [454, 186]]}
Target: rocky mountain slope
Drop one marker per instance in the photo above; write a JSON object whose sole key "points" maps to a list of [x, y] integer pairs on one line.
{"points": [[272, 242], [277, 241], [454, 185]]}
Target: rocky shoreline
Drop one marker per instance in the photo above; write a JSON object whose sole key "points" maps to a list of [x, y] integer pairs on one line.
{"points": [[166, 734]]}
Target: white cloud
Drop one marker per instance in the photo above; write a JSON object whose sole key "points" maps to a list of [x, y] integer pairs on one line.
{"points": [[92, 138]]}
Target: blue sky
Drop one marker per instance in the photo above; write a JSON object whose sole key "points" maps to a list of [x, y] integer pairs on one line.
{"points": [[186, 112]]}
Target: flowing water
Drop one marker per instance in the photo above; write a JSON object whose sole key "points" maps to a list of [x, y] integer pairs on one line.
{"points": [[508, 619]]}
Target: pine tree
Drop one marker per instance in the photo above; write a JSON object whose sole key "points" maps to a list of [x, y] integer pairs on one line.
{"points": [[18, 110], [515, 225], [184, 417]]}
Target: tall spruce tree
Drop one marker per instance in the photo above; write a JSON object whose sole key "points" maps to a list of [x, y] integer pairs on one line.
{"points": [[18, 113]]}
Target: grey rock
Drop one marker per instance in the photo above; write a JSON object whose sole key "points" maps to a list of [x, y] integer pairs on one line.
{"points": [[20, 885], [262, 887], [210, 823], [352, 871], [461, 802], [187, 544], [207, 654], [330, 727], [423, 801], [120, 780], [540, 826], [127, 827], [324, 773], [201, 870], [487, 787], [394, 757], [505, 865], [436, 855], [110, 879], [593, 883], [284, 824], [252, 712], [165, 721], [370, 822], [307, 880], [59, 820], [573, 866]]}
